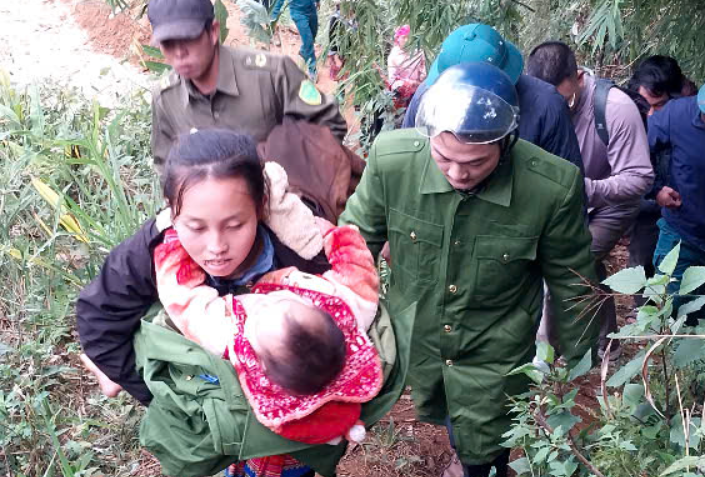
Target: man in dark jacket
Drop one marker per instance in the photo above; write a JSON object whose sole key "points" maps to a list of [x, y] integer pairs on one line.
{"points": [[658, 79], [680, 126], [545, 121]]}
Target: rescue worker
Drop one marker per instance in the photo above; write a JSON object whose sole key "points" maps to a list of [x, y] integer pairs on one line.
{"points": [[304, 14], [216, 86], [618, 171], [545, 119], [476, 219]]}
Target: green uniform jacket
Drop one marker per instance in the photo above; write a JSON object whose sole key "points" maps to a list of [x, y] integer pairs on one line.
{"points": [[254, 91], [199, 421], [475, 264]]}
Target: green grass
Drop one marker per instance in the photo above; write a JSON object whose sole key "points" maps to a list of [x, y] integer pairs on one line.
{"points": [[52, 419]]}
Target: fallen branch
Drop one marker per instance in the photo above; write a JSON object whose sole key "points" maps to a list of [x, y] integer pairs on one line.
{"points": [[541, 421], [645, 378]]}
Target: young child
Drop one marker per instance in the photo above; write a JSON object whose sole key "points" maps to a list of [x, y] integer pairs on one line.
{"points": [[298, 341]]}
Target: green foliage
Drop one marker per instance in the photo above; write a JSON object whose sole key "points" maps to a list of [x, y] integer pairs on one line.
{"points": [[582, 368], [628, 281], [221, 15], [651, 427], [75, 180], [255, 19], [610, 36], [693, 278]]}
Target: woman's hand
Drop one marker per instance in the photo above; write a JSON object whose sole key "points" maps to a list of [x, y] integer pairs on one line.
{"points": [[107, 386]]}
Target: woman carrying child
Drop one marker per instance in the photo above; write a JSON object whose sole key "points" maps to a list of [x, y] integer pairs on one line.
{"points": [[218, 198]]}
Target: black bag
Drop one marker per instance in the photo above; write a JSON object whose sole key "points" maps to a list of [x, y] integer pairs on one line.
{"points": [[601, 91]]}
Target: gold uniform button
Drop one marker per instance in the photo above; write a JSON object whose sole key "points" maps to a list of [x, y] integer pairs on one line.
{"points": [[505, 257], [452, 289], [448, 328], [449, 362], [413, 236]]}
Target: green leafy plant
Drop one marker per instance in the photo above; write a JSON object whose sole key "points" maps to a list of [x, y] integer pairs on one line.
{"points": [[75, 180], [255, 18], [650, 415]]}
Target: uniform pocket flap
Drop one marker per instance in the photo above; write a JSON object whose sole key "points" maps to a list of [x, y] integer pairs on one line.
{"points": [[506, 249], [416, 230]]}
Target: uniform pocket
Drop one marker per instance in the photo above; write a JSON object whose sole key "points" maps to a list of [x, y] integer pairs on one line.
{"points": [[416, 245], [502, 263]]}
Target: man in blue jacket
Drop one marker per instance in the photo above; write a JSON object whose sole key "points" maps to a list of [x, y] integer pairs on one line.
{"points": [[545, 120], [680, 126]]}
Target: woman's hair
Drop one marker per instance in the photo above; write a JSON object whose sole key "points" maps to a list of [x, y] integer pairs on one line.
{"points": [[311, 355], [213, 154], [659, 75]]}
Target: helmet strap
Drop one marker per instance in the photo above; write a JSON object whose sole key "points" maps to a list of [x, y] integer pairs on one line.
{"points": [[507, 145]]}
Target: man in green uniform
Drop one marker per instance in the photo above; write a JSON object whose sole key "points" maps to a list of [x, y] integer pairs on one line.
{"points": [[475, 219], [216, 86]]}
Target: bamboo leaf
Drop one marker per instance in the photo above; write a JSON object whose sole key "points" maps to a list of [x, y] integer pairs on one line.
{"points": [[153, 52], [221, 14]]}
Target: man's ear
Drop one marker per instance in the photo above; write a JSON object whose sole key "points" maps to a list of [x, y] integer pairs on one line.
{"points": [[581, 77], [215, 32]]}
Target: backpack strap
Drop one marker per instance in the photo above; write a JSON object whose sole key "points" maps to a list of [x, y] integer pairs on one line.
{"points": [[602, 89]]}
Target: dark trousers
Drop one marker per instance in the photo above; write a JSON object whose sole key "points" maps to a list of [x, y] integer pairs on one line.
{"points": [[501, 463], [642, 245]]}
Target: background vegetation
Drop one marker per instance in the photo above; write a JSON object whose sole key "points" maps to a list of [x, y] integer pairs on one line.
{"points": [[610, 36]]}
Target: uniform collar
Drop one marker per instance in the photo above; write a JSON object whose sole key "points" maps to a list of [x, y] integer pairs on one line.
{"points": [[226, 83], [496, 190]]}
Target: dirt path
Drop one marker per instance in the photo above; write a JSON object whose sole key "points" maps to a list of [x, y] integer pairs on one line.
{"points": [[40, 40]]}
